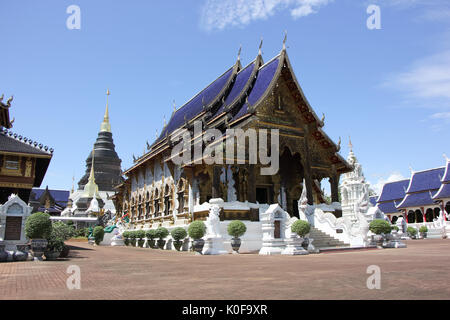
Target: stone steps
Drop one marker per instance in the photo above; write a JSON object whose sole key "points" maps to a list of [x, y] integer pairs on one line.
{"points": [[323, 240]]}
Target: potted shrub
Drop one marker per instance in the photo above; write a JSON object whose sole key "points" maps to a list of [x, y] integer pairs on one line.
{"points": [[412, 232], [423, 231], [151, 236], [161, 233], [140, 237], [98, 234], [301, 228], [178, 234], [236, 228], [133, 238], [395, 228], [38, 228], [65, 232], [54, 247], [126, 237], [380, 228], [196, 231]]}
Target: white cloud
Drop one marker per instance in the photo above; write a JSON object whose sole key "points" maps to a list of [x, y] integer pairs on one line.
{"points": [[378, 186], [218, 14], [427, 78]]}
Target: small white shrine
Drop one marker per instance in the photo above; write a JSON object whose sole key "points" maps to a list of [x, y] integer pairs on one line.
{"points": [[13, 215]]}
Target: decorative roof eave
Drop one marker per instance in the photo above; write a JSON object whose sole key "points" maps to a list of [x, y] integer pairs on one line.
{"points": [[244, 92], [311, 117], [43, 151], [405, 202], [414, 173], [443, 192], [235, 68]]}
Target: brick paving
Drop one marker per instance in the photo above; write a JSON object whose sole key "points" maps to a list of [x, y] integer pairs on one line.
{"points": [[417, 272]]}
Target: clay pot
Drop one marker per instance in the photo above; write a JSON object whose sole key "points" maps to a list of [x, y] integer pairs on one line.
{"points": [[38, 247], [177, 244], [161, 244], [198, 245], [236, 244]]}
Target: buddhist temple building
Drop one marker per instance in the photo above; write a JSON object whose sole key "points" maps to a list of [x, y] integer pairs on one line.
{"points": [[97, 186], [23, 161], [391, 195], [260, 95], [50, 201], [418, 204], [421, 199]]}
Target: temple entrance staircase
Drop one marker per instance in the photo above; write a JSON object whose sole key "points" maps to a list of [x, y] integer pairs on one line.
{"points": [[323, 240]]}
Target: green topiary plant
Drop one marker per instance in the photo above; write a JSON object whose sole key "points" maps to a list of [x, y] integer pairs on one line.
{"points": [[161, 233], [412, 232], [197, 229], [98, 234], [126, 237], [236, 228], [62, 230], [140, 234], [395, 228], [301, 227], [151, 234], [38, 226], [423, 229], [379, 226], [178, 234]]}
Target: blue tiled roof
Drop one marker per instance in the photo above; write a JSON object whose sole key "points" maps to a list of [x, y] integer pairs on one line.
{"points": [[446, 177], [444, 192], [195, 106], [387, 207], [241, 81], [58, 195], [265, 76], [393, 191], [426, 180], [417, 200]]}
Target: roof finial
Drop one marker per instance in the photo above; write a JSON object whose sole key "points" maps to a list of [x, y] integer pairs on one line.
{"points": [[164, 120], [411, 169], [73, 182], [1, 98], [8, 102], [174, 105], [284, 40], [106, 126], [445, 157], [260, 46], [339, 145], [156, 133], [239, 52], [350, 145]]}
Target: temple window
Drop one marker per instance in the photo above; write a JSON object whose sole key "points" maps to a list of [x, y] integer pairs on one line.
{"points": [[429, 215], [411, 217], [167, 201], [436, 212], [156, 203], [419, 216], [11, 163], [147, 206]]}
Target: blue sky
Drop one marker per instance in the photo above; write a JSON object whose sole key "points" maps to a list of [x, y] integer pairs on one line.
{"points": [[388, 89]]}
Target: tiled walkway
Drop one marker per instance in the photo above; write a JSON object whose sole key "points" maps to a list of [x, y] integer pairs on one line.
{"points": [[417, 272]]}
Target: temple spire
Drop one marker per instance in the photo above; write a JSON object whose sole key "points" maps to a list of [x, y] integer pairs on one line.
{"points": [[106, 126], [284, 40], [91, 188], [260, 46]]}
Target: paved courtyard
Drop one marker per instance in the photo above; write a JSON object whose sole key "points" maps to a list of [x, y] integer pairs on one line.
{"points": [[417, 272]]}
